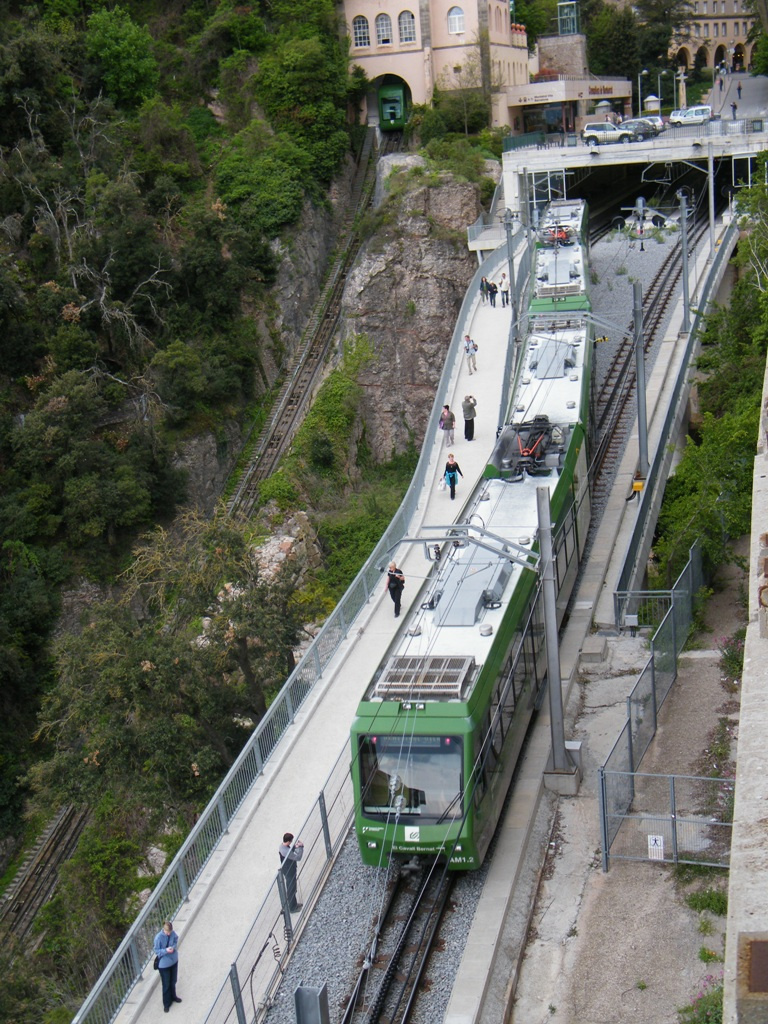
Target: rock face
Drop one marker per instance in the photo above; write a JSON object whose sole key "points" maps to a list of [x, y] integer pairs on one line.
{"points": [[404, 293]]}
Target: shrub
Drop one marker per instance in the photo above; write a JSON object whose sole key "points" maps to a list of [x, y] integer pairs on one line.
{"points": [[713, 900], [707, 1006]]}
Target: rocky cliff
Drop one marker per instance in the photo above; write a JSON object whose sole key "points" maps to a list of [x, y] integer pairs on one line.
{"points": [[404, 293]]}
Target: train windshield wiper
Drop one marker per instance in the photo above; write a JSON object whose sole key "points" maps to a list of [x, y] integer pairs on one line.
{"points": [[449, 808]]}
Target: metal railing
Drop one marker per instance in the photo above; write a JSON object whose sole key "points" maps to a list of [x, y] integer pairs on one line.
{"points": [[644, 521], [126, 965], [618, 793], [255, 975], [676, 818]]}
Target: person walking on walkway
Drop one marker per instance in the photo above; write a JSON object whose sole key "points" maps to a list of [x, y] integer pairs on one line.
{"points": [[166, 948], [738, 90], [468, 411], [734, 108], [447, 425], [484, 290], [395, 585], [504, 289], [290, 853], [452, 474], [493, 291], [470, 351]]}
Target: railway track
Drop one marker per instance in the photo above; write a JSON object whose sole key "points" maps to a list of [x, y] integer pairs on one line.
{"points": [[392, 974], [304, 373], [617, 388], [37, 878]]}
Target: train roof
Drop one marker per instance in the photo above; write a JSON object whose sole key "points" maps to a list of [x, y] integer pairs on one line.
{"points": [[449, 635], [560, 280], [551, 377]]}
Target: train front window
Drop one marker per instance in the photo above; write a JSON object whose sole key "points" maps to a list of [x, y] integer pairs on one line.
{"points": [[412, 777]]}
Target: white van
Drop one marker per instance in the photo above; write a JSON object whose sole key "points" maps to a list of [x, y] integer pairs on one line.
{"points": [[691, 115]]}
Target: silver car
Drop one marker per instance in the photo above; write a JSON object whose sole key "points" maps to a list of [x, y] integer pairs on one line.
{"points": [[599, 132]]}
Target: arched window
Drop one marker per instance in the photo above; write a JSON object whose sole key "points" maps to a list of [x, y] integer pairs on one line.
{"points": [[361, 35], [456, 20], [384, 30], [406, 24]]}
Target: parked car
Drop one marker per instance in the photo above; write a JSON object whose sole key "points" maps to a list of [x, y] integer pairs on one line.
{"points": [[656, 120], [642, 128], [598, 132], [691, 115]]}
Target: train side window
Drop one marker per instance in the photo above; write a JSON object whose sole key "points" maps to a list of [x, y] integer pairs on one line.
{"points": [[383, 30], [456, 20], [406, 24], [361, 33]]}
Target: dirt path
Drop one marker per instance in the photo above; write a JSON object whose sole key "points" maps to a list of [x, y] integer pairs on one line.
{"points": [[623, 946]]}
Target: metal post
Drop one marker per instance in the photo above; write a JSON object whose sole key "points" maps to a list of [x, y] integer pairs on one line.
{"points": [[603, 816], [642, 421], [711, 181], [560, 761], [508, 218], [234, 981], [326, 829], [684, 239]]}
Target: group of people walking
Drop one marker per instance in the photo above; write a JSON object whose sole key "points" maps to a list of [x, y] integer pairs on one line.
{"points": [[490, 289]]}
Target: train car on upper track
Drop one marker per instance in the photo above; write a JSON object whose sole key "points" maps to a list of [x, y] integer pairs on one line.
{"points": [[394, 106], [441, 724]]}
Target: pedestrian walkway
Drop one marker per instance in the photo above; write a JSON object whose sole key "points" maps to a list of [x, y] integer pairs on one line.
{"points": [[215, 920]]}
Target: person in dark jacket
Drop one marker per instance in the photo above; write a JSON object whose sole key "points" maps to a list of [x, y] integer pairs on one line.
{"points": [[452, 474], [290, 853], [166, 947], [395, 585]]}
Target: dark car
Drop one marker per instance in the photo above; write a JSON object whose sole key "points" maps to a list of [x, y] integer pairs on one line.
{"points": [[641, 129]]}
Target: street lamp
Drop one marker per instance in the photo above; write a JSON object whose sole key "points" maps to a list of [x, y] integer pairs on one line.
{"points": [[640, 74], [659, 76]]}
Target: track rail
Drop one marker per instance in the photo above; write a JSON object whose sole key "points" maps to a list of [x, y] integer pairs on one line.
{"points": [[388, 985], [618, 387], [37, 878], [303, 375]]}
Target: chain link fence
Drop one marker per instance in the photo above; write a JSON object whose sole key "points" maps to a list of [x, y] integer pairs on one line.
{"points": [[662, 817]]}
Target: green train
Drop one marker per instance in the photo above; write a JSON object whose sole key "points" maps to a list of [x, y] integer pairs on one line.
{"points": [[440, 727], [394, 105]]}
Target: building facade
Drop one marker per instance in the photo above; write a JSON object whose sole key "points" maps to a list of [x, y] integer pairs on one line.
{"points": [[470, 44], [719, 31], [430, 44]]}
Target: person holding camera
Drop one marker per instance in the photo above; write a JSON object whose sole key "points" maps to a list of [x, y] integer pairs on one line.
{"points": [[468, 409], [395, 585], [290, 852]]}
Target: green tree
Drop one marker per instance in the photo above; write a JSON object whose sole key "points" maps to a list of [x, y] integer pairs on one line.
{"points": [[613, 41], [121, 51]]}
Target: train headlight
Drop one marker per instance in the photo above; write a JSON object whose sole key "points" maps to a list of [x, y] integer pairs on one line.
{"points": [[372, 845], [458, 848]]}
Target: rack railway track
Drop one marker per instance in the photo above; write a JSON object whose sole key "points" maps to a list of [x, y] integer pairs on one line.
{"points": [[617, 389], [304, 373], [387, 987], [37, 878]]}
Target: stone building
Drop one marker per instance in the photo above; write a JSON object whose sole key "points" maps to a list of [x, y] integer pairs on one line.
{"points": [[718, 29], [473, 44]]}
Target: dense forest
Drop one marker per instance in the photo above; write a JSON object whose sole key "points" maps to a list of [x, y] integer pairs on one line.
{"points": [[153, 157]]}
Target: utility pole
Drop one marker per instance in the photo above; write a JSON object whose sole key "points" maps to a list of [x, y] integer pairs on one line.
{"points": [[642, 421], [560, 760], [686, 326]]}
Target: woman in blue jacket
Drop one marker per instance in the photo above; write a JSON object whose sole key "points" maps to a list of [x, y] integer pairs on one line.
{"points": [[166, 947]]}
